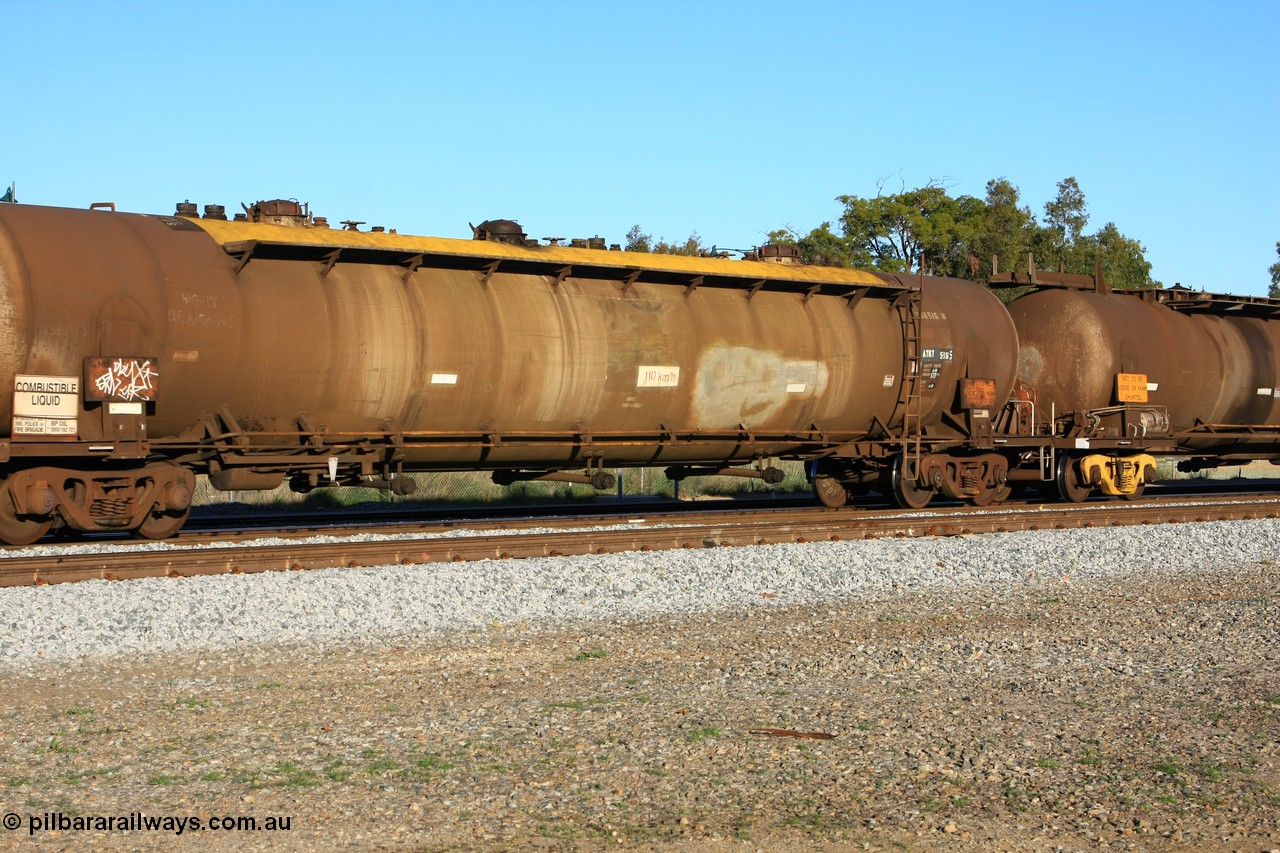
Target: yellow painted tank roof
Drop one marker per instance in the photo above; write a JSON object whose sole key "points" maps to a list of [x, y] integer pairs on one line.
{"points": [[227, 232]]}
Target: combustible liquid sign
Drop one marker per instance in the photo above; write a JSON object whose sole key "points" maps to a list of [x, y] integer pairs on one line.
{"points": [[45, 405]]}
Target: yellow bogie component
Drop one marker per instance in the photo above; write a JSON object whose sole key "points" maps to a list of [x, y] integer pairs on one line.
{"points": [[1118, 475]]}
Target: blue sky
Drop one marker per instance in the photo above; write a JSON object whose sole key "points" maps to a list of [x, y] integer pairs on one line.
{"points": [[728, 119]]}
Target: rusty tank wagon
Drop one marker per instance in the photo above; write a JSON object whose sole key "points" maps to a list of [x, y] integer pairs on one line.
{"points": [[146, 350], [1119, 376]]}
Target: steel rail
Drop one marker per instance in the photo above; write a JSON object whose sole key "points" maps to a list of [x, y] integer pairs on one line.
{"points": [[648, 534]]}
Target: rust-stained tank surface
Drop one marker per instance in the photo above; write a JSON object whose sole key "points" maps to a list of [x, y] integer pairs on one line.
{"points": [[485, 341], [1204, 368], [145, 350]]}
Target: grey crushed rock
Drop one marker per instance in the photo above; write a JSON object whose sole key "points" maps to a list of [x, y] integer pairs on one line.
{"points": [[328, 608]]}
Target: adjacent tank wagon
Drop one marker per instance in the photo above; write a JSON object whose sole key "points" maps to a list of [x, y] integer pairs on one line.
{"points": [[1106, 379]]}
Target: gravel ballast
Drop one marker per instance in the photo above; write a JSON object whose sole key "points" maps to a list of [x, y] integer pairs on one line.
{"points": [[323, 608], [1065, 690]]}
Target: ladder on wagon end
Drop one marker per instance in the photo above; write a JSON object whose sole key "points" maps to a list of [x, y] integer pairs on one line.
{"points": [[910, 316]]}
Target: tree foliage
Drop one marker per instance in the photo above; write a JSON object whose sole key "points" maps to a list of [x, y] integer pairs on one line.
{"points": [[1122, 260], [639, 241], [1005, 233], [1274, 290], [1064, 220], [927, 230], [923, 229]]}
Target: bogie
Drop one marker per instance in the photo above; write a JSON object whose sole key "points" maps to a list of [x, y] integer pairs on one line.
{"points": [[153, 501]]}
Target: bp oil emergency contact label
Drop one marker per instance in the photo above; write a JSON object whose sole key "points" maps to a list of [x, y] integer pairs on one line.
{"points": [[45, 405]]}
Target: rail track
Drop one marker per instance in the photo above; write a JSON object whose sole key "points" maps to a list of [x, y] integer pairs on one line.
{"points": [[414, 544]]}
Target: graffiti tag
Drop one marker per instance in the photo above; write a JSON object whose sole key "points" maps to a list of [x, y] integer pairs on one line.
{"points": [[128, 379]]}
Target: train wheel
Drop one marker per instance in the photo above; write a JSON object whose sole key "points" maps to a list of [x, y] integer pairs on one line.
{"points": [[21, 530], [174, 487], [905, 492], [989, 495], [1136, 493], [162, 525], [1070, 488], [830, 491]]}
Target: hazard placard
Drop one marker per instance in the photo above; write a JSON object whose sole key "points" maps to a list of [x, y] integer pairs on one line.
{"points": [[1131, 387], [45, 405]]}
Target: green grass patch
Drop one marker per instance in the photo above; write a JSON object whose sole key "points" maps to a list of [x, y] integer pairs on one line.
{"points": [[1089, 757], [433, 762], [95, 773], [1016, 798], [59, 744], [244, 776], [699, 735], [294, 776], [167, 779], [380, 766]]}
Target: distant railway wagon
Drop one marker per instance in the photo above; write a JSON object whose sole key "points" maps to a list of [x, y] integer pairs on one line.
{"points": [[144, 350]]}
